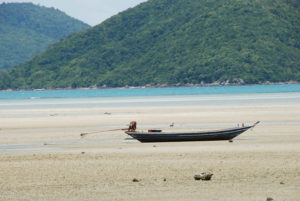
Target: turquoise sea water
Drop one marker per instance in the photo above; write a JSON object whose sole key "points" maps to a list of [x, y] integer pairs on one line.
{"points": [[134, 92], [151, 97]]}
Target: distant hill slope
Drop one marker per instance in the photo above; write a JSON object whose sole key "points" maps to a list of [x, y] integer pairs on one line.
{"points": [[27, 29], [174, 41]]}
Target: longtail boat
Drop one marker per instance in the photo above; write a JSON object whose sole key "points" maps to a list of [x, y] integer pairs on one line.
{"points": [[160, 136]]}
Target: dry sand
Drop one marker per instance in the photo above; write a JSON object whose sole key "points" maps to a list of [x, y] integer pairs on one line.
{"points": [[43, 158]]}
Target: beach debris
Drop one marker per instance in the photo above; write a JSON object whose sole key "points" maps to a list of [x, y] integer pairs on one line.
{"points": [[82, 152], [165, 179], [230, 141], [52, 115], [270, 199], [206, 176], [172, 124], [107, 113], [281, 182], [154, 145], [135, 180], [45, 143]]}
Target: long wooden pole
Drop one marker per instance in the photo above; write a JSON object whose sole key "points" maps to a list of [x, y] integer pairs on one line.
{"points": [[84, 134]]}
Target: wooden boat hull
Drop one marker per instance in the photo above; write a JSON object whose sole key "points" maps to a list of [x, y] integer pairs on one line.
{"points": [[225, 134]]}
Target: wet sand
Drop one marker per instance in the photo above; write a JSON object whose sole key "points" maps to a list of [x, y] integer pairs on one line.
{"points": [[42, 156]]}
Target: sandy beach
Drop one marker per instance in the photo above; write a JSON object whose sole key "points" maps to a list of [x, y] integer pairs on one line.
{"points": [[42, 156]]}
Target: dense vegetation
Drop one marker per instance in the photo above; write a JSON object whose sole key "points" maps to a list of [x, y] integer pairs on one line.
{"points": [[27, 29], [174, 41]]}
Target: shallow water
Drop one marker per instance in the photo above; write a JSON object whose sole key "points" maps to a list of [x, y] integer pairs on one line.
{"points": [[151, 97], [68, 144], [154, 101], [58, 145]]}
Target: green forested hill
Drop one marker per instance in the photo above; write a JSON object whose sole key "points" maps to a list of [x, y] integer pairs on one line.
{"points": [[27, 29], [174, 41]]}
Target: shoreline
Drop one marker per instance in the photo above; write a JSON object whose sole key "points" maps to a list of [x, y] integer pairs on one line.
{"points": [[157, 86]]}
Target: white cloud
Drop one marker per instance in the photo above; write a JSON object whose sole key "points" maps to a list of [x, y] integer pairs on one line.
{"points": [[90, 11]]}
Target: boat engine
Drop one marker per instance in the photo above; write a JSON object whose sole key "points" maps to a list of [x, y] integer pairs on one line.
{"points": [[132, 126]]}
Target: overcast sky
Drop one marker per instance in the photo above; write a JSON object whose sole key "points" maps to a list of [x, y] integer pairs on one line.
{"points": [[89, 11]]}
